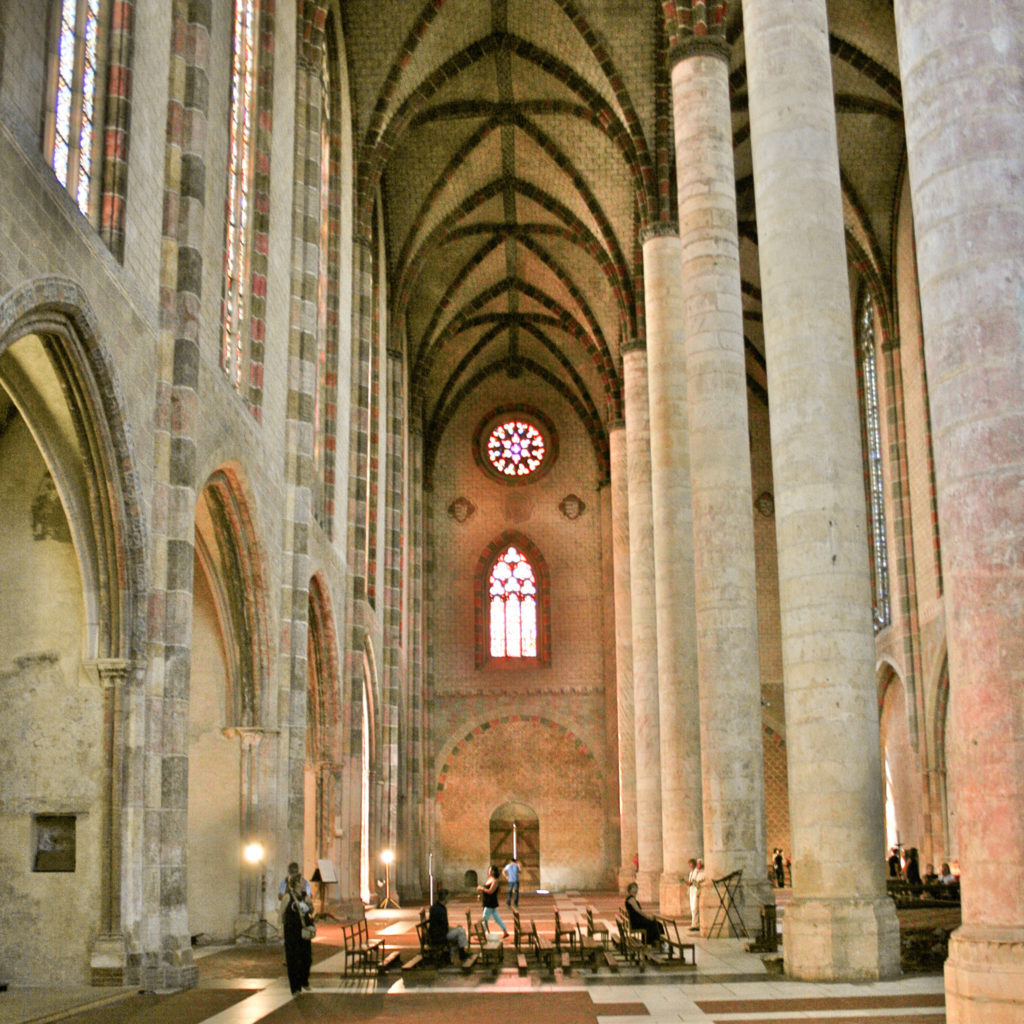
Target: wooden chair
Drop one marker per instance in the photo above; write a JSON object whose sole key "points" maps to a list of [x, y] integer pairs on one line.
{"points": [[675, 941], [564, 933], [492, 951]]}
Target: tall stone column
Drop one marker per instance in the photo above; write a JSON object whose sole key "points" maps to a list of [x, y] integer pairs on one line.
{"points": [[623, 653], [108, 956], [678, 698], [725, 573], [963, 102], [841, 924], [644, 620]]}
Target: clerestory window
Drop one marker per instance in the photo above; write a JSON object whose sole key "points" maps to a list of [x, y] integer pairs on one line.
{"points": [[873, 453], [239, 204], [73, 95]]}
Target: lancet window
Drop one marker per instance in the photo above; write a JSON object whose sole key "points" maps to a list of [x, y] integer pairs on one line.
{"points": [[239, 212], [513, 605], [73, 97], [875, 482]]}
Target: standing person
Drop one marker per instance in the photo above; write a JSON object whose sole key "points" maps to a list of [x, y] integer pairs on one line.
{"points": [[894, 863], [695, 880], [490, 899], [638, 920], [439, 930], [780, 868], [913, 868], [296, 898], [511, 873]]}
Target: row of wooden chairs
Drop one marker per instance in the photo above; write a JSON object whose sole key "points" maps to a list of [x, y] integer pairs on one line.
{"points": [[590, 942]]}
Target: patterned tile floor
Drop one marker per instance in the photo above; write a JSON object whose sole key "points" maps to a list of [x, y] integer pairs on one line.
{"points": [[246, 985]]}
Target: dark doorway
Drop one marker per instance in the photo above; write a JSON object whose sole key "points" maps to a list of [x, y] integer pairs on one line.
{"points": [[515, 828]]}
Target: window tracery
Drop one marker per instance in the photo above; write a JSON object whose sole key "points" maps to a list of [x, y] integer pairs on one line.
{"points": [[515, 448], [513, 606]]}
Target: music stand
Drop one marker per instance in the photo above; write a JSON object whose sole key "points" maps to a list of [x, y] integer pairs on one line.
{"points": [[726, 889], [324, 876]]}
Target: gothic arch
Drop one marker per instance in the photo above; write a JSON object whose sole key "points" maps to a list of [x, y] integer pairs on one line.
{"points": [[229, 549], [66, 390]]}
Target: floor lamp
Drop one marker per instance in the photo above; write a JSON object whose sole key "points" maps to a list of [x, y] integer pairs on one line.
{"points": [[389, 900], [263, 929]]}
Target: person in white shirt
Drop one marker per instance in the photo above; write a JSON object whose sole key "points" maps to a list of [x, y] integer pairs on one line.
{"points": [[695, 879]]}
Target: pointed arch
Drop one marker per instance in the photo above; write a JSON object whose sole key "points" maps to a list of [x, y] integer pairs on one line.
{"points": [[69, 381], [231, 554]]}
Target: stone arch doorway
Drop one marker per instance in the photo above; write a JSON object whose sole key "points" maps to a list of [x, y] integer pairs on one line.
{"points": [[72, 637], [902, 795], [322, 823], [515, 831], [230, 751]]}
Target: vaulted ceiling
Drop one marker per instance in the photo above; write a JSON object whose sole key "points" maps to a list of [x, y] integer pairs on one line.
{"points": [[521, 147]]}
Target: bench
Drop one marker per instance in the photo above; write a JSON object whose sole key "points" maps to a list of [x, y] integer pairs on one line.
{"points": [[359, 949], [675, 941]]}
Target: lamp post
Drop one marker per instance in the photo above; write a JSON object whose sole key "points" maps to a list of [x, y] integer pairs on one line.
{"points": [[389, 900], [262, 930]]}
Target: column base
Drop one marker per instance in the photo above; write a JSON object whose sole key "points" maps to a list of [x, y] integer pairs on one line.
{"points": [[673, 897], [107, 961], [985, 976], [841, 939]]}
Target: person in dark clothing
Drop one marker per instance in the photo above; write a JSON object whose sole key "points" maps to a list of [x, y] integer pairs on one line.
{"points": [[638, 920], [894, 863], [779, 867], [438, 930], [297, 913], [913, 869]]}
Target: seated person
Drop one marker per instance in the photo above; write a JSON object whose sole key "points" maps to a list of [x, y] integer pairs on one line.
{"points": [[638, 920], [946, 877], [929, 874], [440, 933]]}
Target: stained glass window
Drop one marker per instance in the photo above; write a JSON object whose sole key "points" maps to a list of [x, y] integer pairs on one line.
{"points": [[876, 487], [515, 448], [513, 597], [71, 125], [239, 198]]}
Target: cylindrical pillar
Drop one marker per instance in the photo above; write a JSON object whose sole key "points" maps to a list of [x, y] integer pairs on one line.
{"points": [[673, 569], [623, 653], [966, 171], [725, 573], [841, 924], [644, 620]]}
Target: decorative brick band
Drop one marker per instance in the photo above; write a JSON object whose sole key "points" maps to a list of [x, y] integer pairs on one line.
{"points": [[699, 46], [661, 229]]}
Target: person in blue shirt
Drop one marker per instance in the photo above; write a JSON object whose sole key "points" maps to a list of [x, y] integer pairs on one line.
{"points": [[511, 873]]}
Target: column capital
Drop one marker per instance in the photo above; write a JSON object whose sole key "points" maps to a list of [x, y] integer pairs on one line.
{"points": [[394, 353], [618, 424], [660, 229], [699, 46], [107, 671], [633, 345]]}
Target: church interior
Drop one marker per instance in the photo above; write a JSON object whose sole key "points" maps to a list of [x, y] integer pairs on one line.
{"points": [[590, 431]]}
